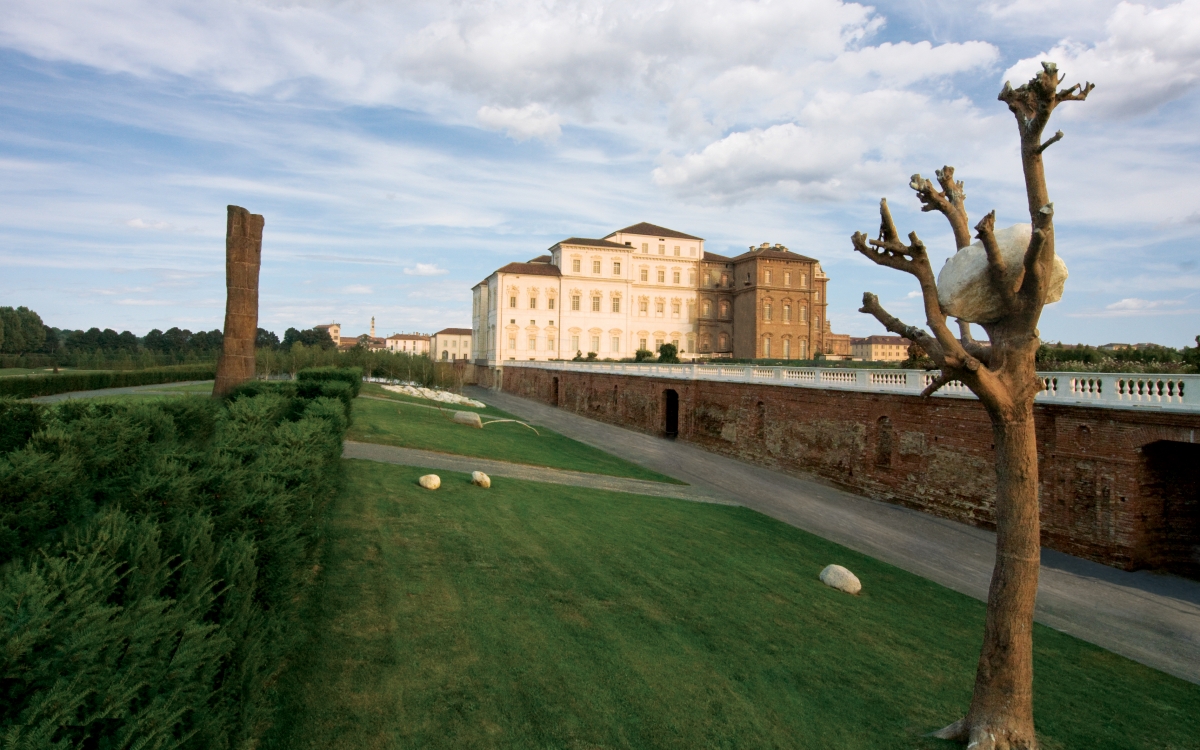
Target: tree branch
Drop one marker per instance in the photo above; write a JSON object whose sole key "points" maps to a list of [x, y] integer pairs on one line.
{"points": [[975, 348], [941, 380], [997, 266], [931, 346], [1058, 136], [949, 201]]}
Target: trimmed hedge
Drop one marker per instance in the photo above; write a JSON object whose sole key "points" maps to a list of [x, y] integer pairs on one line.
{"points": [[154, 557], [66, 382], [351, 375], [296, 390]]}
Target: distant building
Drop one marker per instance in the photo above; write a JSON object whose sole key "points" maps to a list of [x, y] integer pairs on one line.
{"points": [[407, 343], [880, 348], [333, 329], [645, 286], [837, 345], [452, 344]]}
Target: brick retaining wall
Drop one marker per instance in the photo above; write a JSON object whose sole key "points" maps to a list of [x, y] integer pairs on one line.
{"points": [[1110, 490]]}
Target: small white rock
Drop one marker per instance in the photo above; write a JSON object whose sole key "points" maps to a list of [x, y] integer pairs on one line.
{"points": [[481, 479], [469, 418], [430, 481], [835, 576]]}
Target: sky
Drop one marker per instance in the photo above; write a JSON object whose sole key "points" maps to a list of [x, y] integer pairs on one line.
{"points": [[401, 152]]}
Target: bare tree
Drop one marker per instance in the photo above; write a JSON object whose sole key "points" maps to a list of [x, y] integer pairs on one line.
{"points": [[1001, 372]]}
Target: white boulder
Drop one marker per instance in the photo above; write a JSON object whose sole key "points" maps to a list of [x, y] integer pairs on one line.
{"points": [[469, 418], [835, 576], [481, 479], [430, 481], [964, 289], [445, 397]]}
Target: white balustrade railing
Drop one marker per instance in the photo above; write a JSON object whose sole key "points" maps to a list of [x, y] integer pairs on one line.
{"points": [[1112, 390]]}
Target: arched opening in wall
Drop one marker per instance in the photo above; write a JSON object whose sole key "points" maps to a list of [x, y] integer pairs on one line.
{"points": [[885, 438], [554, 391], [671, 412], [1173, 479]]}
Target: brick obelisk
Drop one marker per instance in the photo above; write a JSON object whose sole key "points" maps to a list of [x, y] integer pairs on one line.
{"points": [[243, 251]]}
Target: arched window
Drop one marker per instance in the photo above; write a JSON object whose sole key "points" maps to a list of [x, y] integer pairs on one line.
{"points": [[787, 313], [766, 346], [707, 308], [803, 314], [724, 309], [787, 349], [766, 311]]}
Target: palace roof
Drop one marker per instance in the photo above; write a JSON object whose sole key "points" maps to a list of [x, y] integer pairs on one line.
{"points": [[653, 230], [454, 332], [590, 243], [531, 269]]}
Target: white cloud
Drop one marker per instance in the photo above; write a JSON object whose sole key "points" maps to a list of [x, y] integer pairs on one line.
{"points": [[1133, 304], [530, 121], [1151, 57], [425, 269], [139, 224], [357, 289]]}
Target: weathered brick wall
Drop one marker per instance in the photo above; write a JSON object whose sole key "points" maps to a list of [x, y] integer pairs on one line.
{"points": [[1101, 497]]}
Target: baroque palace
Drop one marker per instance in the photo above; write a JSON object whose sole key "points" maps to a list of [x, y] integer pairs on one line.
{"points": [[644, 286]]}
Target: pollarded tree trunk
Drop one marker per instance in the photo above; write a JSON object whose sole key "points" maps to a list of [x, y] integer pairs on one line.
{"points": [[243, 254], [1002, 374]]}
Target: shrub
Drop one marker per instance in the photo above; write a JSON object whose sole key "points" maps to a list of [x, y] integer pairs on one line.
{"points": [[155, 556], [48, 385], [351, 375]]}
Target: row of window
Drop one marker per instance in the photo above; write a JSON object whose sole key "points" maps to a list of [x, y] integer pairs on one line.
{"points": [[802, 347], [615, 303], [787, 278], [614, 344], [644, 275]]}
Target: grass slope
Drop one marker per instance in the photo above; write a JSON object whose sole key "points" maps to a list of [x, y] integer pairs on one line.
{"points": [[404, 424], [535, 616]]}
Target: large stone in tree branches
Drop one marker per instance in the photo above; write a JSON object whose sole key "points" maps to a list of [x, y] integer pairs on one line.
{"points": [[965, 290], [243, 254]]}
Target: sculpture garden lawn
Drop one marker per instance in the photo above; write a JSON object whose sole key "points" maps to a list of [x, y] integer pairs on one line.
{"points": [[544, 616]]}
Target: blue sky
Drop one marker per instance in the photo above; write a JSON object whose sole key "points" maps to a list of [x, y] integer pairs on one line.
{"points": [[401, 152]]}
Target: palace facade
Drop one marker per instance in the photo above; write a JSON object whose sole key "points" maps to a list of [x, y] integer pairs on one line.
{"points": [[644, 286]]}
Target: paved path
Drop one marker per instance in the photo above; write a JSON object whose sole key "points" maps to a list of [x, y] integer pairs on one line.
{"points": [[155, 388], [1153, 619], [466, 464]]}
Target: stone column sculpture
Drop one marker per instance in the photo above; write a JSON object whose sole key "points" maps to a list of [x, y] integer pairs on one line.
{"points": [[243, 251]]}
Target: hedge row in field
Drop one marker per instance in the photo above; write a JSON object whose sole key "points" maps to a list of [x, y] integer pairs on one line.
{"points": [[66, 382], [153, 560]]}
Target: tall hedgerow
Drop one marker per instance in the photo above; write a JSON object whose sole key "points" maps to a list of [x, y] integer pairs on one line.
{"points": [[153, 557]]}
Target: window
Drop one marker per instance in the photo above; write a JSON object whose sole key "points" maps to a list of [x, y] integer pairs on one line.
{"points": [[512, 342], [766, 352], [803, 349], [787, 280], [724, 309], [658, 344], [816, 296], [532, 343], [677, 251], [646, 247], [595, 304], [616, 344], [550, 303], [533, 303], [787, 349], [803, 280], [643, 306], [662, 249], [723, 342], [658, 307], [766, 277], [692, 278], [616, 304], [575, 343], [707, 308], [595, 266], [675, 277], [691, 310], [616, 268], [787, 313], [550, 343], [803, 314], [662, 277], [595, 344], [512, 301], [645, 275], [675, 343], [724, 279], [575, 265], [674, 309], [766, 311], [575, 302]]}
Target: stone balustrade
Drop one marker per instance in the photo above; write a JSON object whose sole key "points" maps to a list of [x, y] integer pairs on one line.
{"points": [[1180, 393]]}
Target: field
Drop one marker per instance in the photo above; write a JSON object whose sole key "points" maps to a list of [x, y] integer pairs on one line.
{"points": [[535, 616], [416, 423]]}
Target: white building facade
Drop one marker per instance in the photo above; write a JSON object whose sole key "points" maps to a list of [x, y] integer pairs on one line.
{"points": [[408, 343], [634, 289], [451, 344]]}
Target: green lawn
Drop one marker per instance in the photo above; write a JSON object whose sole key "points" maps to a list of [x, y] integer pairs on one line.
{"points": [[536, 616], [404, 424]]}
